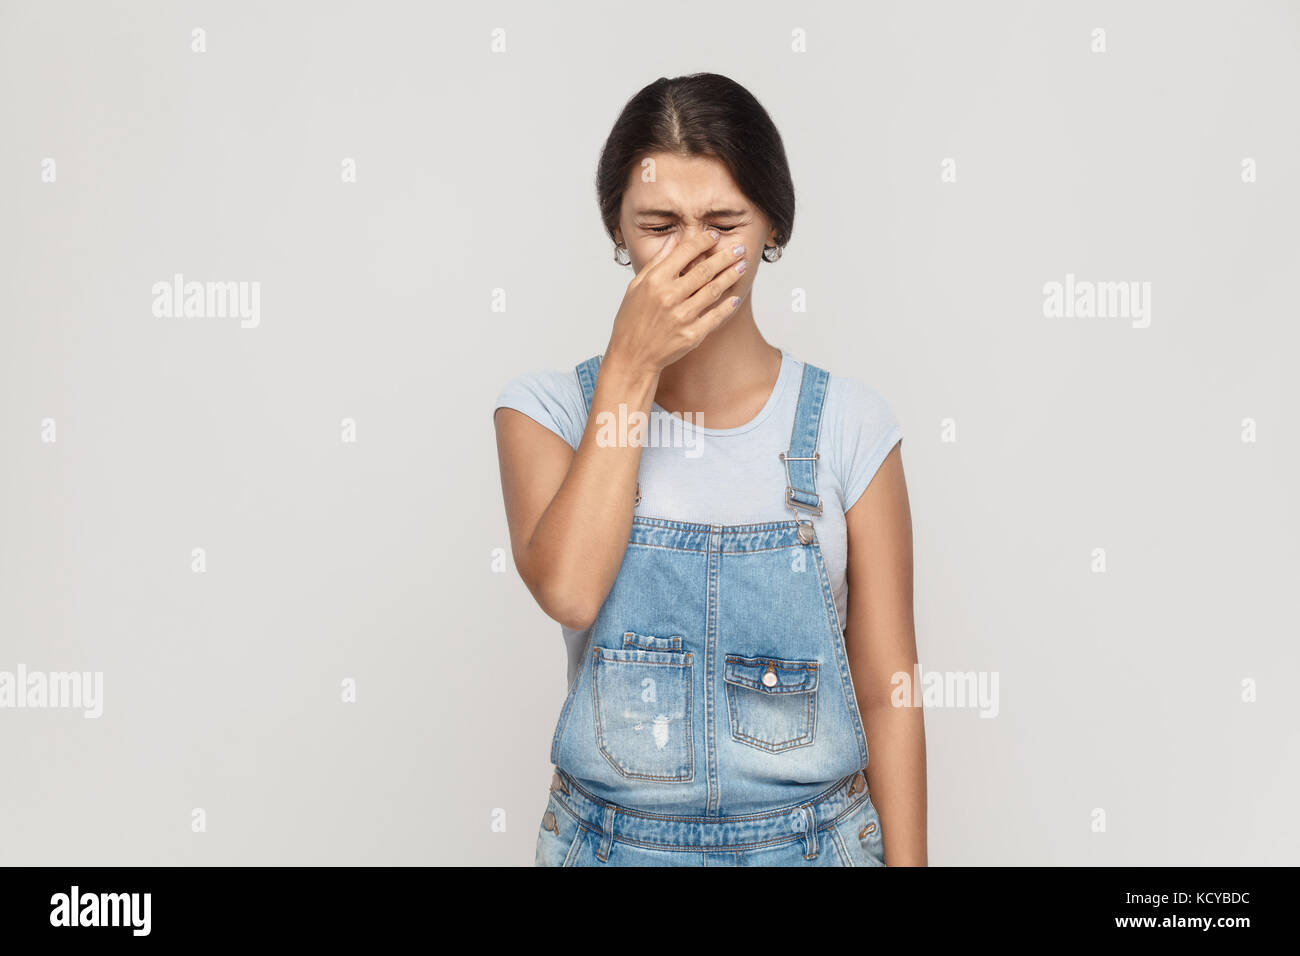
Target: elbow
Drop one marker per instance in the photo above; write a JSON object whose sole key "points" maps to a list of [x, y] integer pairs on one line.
{"points": [[579, 621], [564, 602], [572, 610]]}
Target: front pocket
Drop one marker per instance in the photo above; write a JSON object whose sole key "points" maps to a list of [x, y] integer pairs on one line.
{"points": [[642, 704], [772, 703]]}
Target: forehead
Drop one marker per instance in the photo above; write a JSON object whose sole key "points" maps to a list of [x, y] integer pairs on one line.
{"points": [[691, 185]]}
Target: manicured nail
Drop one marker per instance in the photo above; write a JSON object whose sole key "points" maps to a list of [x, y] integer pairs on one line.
{"points": [[738, 249], [740, 266]]}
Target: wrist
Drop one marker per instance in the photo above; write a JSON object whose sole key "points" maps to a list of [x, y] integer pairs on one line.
{"points": [[629, 375]]}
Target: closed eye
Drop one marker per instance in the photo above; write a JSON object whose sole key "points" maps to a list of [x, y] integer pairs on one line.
{"points": [[719, 228]]}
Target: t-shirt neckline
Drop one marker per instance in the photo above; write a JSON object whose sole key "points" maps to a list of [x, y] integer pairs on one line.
{"points": [[782, 383]]}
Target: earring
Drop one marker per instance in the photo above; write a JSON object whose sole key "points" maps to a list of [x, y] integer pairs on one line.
{"points": [[776, 250], [622, 249]]}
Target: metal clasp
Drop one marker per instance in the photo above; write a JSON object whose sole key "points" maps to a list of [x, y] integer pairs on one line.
{"points": [[806, 530], [794, 503]]}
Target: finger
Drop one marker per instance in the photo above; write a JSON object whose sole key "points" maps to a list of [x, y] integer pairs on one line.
{"points": [[714, 317], [687, 250], [668, 245], [709, 270], [709, 292]]}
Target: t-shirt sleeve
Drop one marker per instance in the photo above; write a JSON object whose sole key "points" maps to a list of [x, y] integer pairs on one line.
{"points": [[868, 431], [550, 398]]}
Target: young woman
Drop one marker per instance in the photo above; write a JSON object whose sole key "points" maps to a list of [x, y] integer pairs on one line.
{"points": [[704, 567]]}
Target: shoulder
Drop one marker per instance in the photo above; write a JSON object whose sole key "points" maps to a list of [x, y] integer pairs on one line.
{"points": [[550, 397], [853, 402], [859, 429]]}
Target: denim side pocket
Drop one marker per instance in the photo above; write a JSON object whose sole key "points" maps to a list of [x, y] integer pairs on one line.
{"points": [[642, 704], [558, 837], [867, 833]]}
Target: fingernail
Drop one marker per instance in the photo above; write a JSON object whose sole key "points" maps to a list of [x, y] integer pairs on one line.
{"points": [[715, 234], [738, 249], [740, 266]]}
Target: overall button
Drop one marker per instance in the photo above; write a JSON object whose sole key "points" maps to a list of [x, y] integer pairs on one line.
{"points": [[769, 677], [548, 823], [558, 784]]}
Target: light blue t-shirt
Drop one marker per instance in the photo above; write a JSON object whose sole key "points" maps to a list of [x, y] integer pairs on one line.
{"points": [[690, 472]]}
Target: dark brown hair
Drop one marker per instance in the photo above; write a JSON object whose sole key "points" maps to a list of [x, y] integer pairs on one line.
{"points": [[703, 114]]}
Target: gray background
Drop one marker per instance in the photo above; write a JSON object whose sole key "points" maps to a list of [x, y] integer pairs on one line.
{"points": [[374, 560]]}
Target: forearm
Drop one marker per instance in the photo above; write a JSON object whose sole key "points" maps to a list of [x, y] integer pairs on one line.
{"points": [[896, 780], [577, 547]]}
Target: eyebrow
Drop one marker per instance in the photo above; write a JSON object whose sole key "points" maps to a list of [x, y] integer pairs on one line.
{"points": [[671, 214]]}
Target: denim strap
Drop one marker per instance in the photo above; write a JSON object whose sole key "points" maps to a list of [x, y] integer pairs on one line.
{"points": [[587, 379], [801, 476]]}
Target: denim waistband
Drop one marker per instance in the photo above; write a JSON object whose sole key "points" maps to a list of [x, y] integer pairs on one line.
{"points": [[661, 831]]}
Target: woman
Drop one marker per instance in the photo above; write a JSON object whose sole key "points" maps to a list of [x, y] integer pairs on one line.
{"points": [[718, 711]]}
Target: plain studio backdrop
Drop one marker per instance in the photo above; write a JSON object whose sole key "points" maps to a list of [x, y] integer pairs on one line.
{"points": [[281, 540]]}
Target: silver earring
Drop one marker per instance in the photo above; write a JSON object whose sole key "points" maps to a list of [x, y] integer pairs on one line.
{"points": [[621, 249], [776, 253]]}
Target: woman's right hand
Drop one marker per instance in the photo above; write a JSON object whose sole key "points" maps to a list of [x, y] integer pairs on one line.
{"points": [[665, 314], [570, 511]]}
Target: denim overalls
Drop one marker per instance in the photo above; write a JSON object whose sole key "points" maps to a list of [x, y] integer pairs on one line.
{"points": [[713, 721]]}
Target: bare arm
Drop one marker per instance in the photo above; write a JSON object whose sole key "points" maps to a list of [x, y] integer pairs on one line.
{"points": [[881, 641], [570, 512]]}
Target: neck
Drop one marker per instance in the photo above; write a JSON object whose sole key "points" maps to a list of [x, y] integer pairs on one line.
{"points": [[730, 375]]}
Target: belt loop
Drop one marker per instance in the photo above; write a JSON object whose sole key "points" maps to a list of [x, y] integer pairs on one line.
{"points": [[810, 832], [608, 838]]}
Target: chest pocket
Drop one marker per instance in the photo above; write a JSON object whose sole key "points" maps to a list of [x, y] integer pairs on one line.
{"points": [[643, 709], [771, 703]]}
